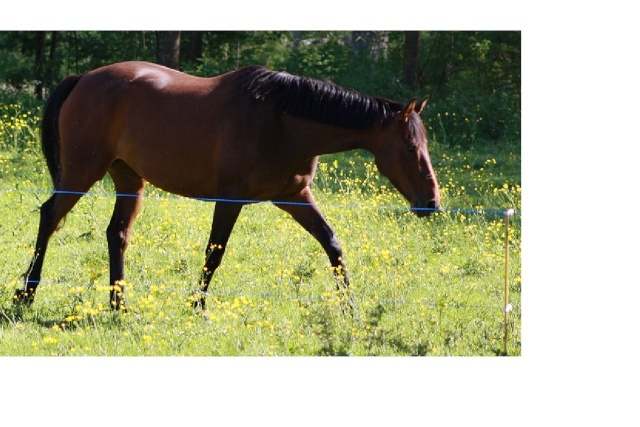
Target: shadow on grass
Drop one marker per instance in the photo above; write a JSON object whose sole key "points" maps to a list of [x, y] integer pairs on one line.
{"points": [[16, 314], [342, 341]]}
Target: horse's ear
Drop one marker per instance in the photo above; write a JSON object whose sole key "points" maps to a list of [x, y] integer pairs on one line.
{"points": [[410, 108], [421, 104]]}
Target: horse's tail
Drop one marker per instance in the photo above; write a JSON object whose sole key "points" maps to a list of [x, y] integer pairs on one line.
{"points": [[50, 132]]}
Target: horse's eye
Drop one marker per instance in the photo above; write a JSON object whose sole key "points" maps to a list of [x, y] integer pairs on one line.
{"points": [[411, 149]]}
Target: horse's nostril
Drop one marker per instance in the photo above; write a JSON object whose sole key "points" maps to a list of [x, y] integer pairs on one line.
{"points": [[432, 204]]}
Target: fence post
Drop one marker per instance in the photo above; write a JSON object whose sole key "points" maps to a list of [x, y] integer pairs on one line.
{"points": [[507, 306]]}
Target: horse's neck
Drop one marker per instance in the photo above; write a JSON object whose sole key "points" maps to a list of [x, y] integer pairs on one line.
{"points": [[321, 139]]}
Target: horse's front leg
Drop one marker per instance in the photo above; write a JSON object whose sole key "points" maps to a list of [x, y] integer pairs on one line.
{"points": [[303, 209], [224, 218]]}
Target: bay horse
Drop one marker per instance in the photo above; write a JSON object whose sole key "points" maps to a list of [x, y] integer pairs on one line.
{"points": [[245, 136]]}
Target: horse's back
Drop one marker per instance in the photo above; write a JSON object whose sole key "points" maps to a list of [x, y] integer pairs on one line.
{"points": [[155, 75]]}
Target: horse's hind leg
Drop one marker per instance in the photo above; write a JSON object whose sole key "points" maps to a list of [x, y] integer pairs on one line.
{"points": [[51, 213], [129, 188]]}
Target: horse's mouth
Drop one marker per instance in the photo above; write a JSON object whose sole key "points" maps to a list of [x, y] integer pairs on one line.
{"points": [[425, 209]]}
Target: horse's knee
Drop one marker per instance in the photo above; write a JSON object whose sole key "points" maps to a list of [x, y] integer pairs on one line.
{"points": [[116, 236]]}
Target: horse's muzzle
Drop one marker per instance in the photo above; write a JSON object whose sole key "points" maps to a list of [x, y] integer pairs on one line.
{"points": [[425, 209]]}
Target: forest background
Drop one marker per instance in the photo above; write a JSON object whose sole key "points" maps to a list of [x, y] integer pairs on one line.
{"points": [[472, 76]]}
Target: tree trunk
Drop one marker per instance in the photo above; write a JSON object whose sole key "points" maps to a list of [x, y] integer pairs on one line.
{"points": [[45, 68], [370, 44], [359, 45], [168, 48], [411, 58], [41, 37], [51, 69], [195, 46]]}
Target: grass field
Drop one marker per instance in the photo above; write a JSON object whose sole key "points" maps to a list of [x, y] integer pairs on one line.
{"points": [[430, 287]]}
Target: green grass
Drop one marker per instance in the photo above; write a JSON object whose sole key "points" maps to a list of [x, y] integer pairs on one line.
{"points": [[422, 286]]}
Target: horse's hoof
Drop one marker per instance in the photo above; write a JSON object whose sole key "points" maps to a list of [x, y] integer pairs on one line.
{"points": [[23, 298], [199, 303], [119, 306]]}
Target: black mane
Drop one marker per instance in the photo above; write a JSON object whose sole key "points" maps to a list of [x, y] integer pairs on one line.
{"points": [[316, 100]]}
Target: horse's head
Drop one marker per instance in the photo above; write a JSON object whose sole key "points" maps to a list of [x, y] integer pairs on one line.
{"points": [[403, 157]]}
